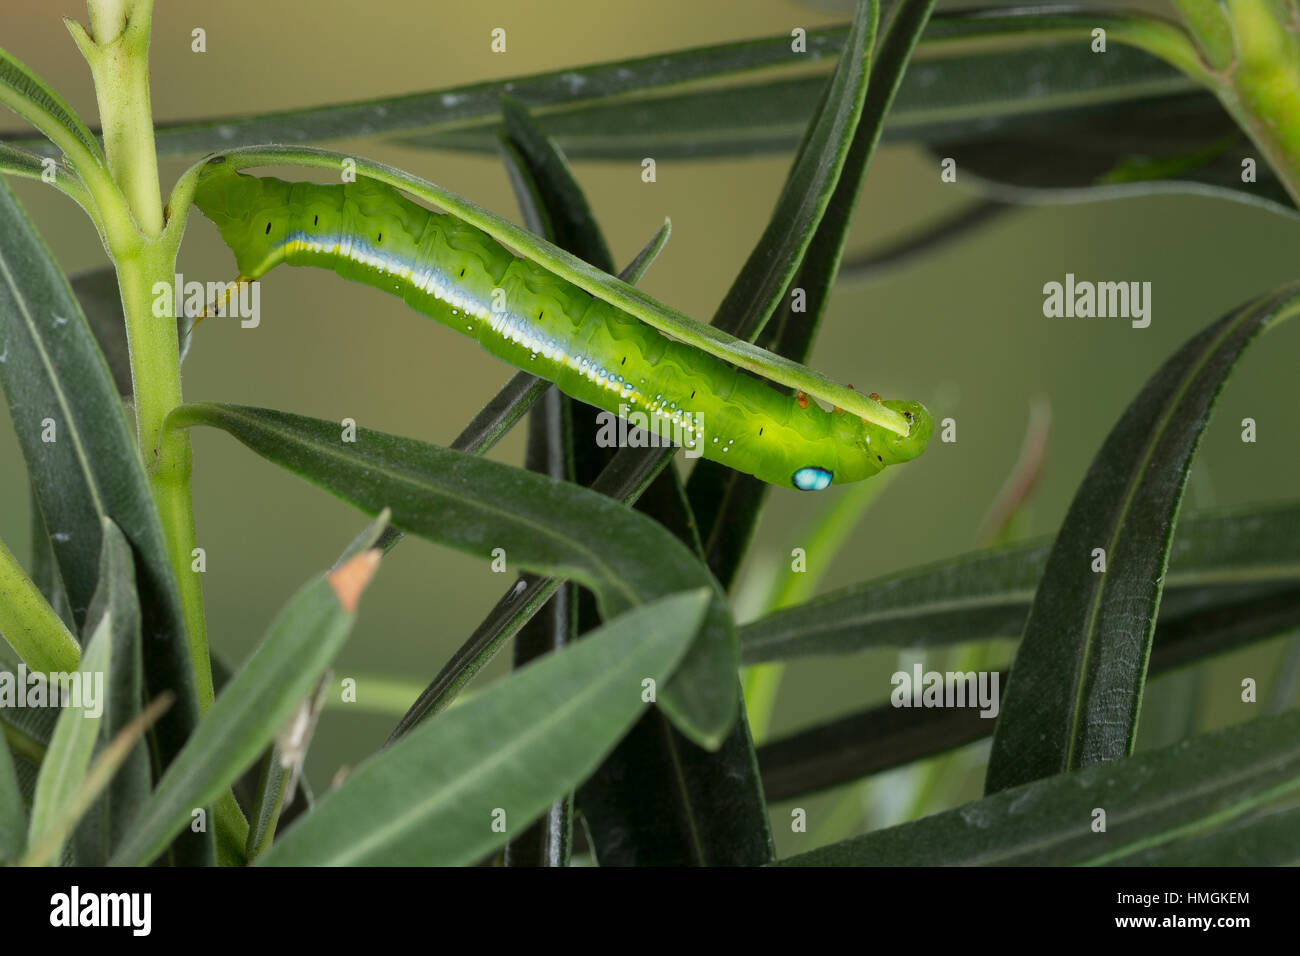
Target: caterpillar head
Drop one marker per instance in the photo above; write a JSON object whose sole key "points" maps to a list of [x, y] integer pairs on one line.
{"points": [[860, 449], [895, 449], [248, 211]]}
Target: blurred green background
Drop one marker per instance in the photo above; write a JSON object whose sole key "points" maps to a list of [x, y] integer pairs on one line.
{"points": [[962, 331]]}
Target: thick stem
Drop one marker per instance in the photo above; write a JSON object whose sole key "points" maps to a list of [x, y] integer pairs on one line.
{"points": [[145, 256], [1253, 50], [120, 66], [155, 372]]}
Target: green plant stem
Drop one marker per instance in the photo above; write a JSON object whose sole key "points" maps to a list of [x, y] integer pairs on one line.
{"points": [[30, 625], [144, 243], [155, 373], [144, 250], [119, 64], [1264, 91], [1253, 52]]}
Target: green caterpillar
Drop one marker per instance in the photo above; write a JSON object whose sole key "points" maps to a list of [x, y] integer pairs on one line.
{"points": [[453, 272]]}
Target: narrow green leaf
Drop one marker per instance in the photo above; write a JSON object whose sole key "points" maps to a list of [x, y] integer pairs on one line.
{"points": [[549, 840], [979, 76], [1076, 688], [809, 186], [507, 753], [28, 95], [1150, 800], [595, 105], [101, 773], [32, 628], [297, 647], [272, 780], [621, 80], [986, 594], [73, 743], [123, 690], [548, 527], [53, 371], [668, 802], [20, 162], [569, 222]]}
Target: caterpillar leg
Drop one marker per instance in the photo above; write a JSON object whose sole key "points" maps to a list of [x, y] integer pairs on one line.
{"points": [[213, 309]]}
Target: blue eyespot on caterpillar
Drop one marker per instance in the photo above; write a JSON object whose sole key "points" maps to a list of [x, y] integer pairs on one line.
{"points": [[456, 274], [812, 478]]}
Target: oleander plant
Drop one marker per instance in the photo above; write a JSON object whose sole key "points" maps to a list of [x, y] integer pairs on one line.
{"points": [[632, 728]]}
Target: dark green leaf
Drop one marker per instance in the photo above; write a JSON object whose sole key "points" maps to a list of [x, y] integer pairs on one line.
{"points": [[1269, 839], [101, 301], [1150, 800], [13, 810], [702, 812], [438, 108], [108, 818], [1076, 689], [45, 572], [567, 215], [808, 187], [950, 93], [75, 733]]}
